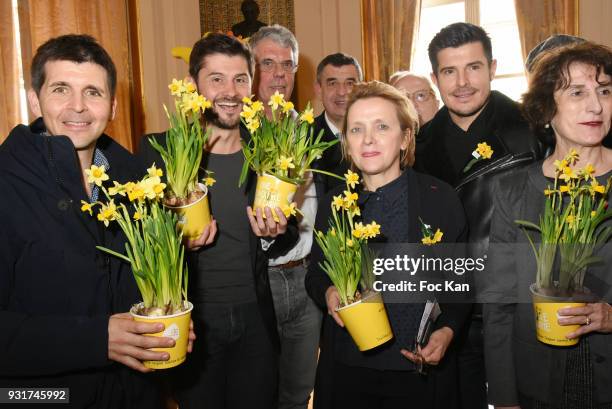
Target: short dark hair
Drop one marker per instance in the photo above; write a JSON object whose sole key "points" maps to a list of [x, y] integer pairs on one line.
{"points": [[78, 48], [338, 60], [550, 73], [217, 43], [455, 35]]}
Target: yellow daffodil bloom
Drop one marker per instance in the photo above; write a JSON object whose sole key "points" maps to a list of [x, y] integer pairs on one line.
{"points": [[588, 171], [338, 202], [209, 181], [560, 164], [253, 125], [564, 189], [355, 210], [427, 241], [276, 100], [349, 199], [96, 174], [247, 100], [108, 212], [257, 106], [484, 150], [190, 87], [548, 192], [596, 187], [285, 163], [289, 210], [177, 88], [134, 191], [154, 171], [373, 230], [307, 116], [352, 179], [87, 207], [573, 156], [117, 189], [248, 113], [287, 107], [567, 174], [359, 231], [438, 236], [137, 216]]}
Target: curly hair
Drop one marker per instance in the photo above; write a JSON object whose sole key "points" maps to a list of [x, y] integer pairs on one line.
{"points": [[550, 73], [406, 114]]}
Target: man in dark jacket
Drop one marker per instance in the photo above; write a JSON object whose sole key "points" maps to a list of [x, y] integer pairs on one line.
{"points": [[62, 301], [463, 68], [235, 360], [336, 75]]}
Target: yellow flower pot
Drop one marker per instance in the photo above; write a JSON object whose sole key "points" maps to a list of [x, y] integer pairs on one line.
{"points": [[194, 217], [367, 322], [176, 326], [545, 310], [273, 192]]}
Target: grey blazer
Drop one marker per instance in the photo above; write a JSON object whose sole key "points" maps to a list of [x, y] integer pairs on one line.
{"points": [[515, 361]]}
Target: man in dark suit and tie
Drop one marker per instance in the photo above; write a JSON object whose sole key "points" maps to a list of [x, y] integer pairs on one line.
{"points": [[336, 75]]}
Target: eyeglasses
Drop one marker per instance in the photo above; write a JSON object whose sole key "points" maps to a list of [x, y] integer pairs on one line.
{"points": [[270, 65], [422, 95]]}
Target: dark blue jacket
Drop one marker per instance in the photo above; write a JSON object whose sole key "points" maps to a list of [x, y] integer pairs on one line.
{"points": [[57, 290]]}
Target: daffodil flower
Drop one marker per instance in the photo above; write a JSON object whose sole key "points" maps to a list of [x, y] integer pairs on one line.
{"points": [[154, 171], [96, 174], [276, 100], [338, 202], [247, 100], [287, 107], [87, 207], [285, 163], [108, 212], [482, 151], [352, 179], [257, 106], [177, 88], [290, 210], [253, 125], [209, 181], [307, 116]]}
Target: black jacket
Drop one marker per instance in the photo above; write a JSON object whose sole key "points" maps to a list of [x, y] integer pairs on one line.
{"points": [[331, 161], [57, 290], [259, 258], [429, 199], [506, 129], [517, 363]]}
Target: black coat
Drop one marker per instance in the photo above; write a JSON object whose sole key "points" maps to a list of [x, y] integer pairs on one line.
{"points": [[433, 201], [517, 147], [57, 290], [259, 258], [331, 161]]}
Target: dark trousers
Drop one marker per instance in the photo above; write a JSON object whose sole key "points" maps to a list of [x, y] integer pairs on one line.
{"points": [[233, 366], [365, 388], [470, 366]]}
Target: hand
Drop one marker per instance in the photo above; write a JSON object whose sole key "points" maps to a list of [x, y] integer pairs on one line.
{"points": [[434, 351], [127, 345], [192, 337], [593, 317], [332, 299], [267, 227], [206, 238]]}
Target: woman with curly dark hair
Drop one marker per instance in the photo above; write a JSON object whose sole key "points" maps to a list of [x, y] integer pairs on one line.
{"points": [[569, 105]]}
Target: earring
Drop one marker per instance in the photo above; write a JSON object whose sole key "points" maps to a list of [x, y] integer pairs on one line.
{"points": [[546, 126]]}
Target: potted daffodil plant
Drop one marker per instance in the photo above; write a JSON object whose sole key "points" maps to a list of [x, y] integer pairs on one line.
{"points": [[182, 155], [348, 263], [280, 151], [154, 251], [571, 230]]}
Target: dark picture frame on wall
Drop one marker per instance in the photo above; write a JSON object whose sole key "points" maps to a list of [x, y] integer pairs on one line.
{"points": [[223, 15]]}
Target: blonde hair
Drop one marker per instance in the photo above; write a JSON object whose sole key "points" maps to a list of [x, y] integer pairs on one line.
{"points": [[406, 114]]}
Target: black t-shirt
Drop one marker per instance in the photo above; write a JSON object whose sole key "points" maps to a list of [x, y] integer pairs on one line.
{"points": [[224, 272]]}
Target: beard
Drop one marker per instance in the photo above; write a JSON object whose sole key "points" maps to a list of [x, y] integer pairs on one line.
{"points": [[212, 117]]}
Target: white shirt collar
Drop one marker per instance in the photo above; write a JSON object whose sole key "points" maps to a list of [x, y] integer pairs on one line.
{"points": [[331, 125]]}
